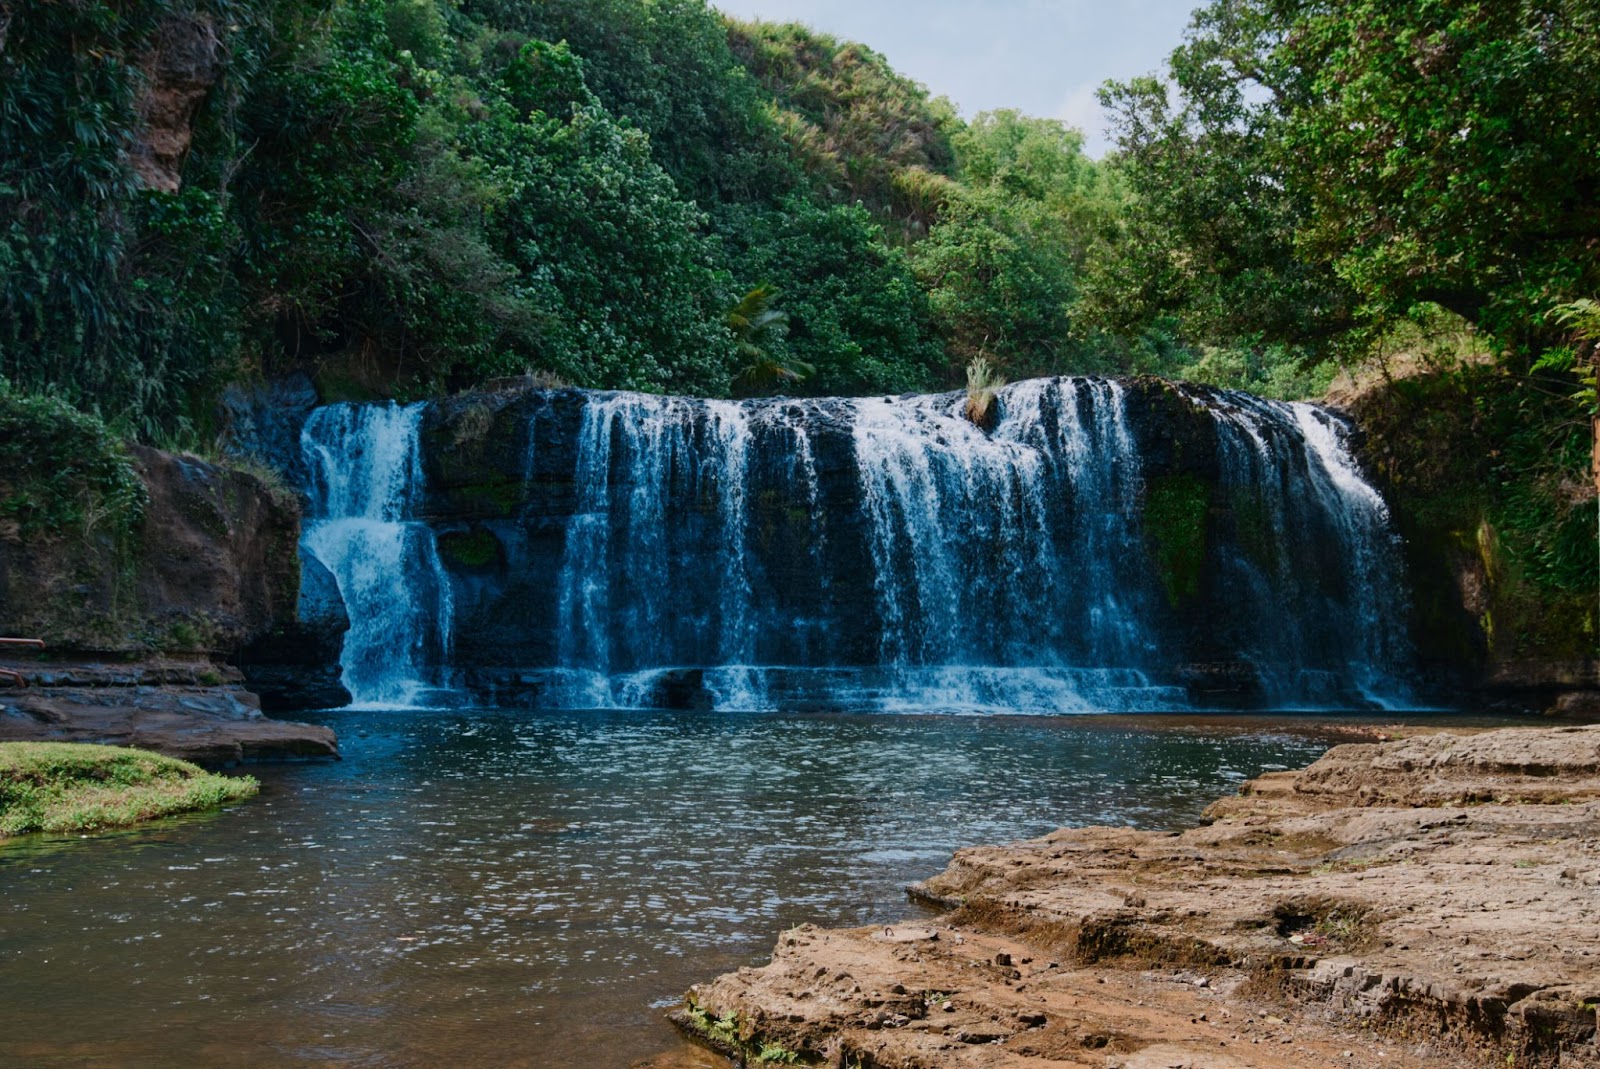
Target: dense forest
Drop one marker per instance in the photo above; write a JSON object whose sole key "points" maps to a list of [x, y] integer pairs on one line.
{"points": [[406, 197]]}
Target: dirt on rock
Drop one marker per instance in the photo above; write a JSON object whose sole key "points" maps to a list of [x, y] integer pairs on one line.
{"points": [[1427, 902]]}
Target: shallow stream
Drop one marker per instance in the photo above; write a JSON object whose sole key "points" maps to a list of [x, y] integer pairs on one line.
{"points": [[499, 888]]}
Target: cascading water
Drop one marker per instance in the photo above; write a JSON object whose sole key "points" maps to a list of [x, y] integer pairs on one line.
{"points": [[1106, 546], [365, 469], [1292, 484], [996, 556]]}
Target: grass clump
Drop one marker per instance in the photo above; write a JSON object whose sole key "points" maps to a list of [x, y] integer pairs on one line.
{"points": [[983, 380], [63, 787]]}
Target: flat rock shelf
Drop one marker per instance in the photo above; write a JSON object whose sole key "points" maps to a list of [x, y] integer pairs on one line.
{"points": [[194, 711], [1431, 901]]}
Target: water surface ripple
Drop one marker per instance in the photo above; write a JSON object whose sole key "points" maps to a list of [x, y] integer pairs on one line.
{"points": [[491, 888]]}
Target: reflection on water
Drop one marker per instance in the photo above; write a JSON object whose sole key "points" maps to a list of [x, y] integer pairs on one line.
{"points": [[518, 889]]}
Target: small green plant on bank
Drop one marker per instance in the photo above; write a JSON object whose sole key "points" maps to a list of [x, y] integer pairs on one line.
{"points": [[723, 1031], [74, 787], [776, 1054], [473, 424]]}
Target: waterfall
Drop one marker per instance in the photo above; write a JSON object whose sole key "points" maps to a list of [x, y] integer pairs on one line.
{"points": [[1292, 483], [364, 464], [996, 557], [1125, 546], [653, 470]]}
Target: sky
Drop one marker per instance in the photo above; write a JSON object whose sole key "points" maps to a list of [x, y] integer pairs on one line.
{"points": [[1042, 57]]}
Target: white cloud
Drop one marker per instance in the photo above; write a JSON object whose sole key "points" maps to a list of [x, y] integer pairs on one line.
{"points": [[1080, 108]]}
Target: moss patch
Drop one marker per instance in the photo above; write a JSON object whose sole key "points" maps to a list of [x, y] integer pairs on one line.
{"points": [[61, 786], [1175, 510], [476, 548], [1489, 484], [502, 497], [1253, 521]]}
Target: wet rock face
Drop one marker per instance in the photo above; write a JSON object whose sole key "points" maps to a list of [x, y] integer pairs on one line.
{"points": [[1190, 535], [211, 568], [295, 666], [1105, 545]]}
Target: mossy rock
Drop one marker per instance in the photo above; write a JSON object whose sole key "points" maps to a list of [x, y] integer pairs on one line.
{"points": [[499, 497], [474, 549], [1176, 510]]}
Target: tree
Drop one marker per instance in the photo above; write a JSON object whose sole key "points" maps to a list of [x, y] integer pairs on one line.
{"points": [[1449, 154], [856, 313], [1211, 227], [1318, 170], [1002, 265], [757, 329]]}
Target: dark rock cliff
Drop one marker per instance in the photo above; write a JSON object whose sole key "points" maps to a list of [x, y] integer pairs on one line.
{"points": [[211, 571]]}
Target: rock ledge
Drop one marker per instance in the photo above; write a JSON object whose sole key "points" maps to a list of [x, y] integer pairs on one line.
{"points": [[196, 711], [1428, 902]]}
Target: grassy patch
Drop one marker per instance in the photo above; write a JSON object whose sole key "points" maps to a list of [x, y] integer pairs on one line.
{"points": [[60, 786]]}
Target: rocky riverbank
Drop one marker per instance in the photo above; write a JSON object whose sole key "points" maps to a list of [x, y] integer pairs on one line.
{"points": [[1431, 901], [196, 711]]}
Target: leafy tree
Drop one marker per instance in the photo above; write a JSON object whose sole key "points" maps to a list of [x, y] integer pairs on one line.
{"points": [[1318, 170], [1002, 265], [1209, 235], [617, 264], [758, 330], [1447, 153], [861, 132], [855, 311], [666, 66]]}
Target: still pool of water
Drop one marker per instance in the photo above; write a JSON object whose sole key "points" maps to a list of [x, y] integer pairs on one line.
{"points": [[504, 888]]}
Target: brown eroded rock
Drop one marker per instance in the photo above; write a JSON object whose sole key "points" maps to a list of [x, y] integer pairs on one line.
{"points": [[1427, 902], [213, 565], [184, 64], [195, 711]]}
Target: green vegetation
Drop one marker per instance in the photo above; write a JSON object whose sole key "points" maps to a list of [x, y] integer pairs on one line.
{"points": [[65, 787], [61, 471], [725, 1032], [757, 328], [405, 196], [1175, 513], [1519, 513]]}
